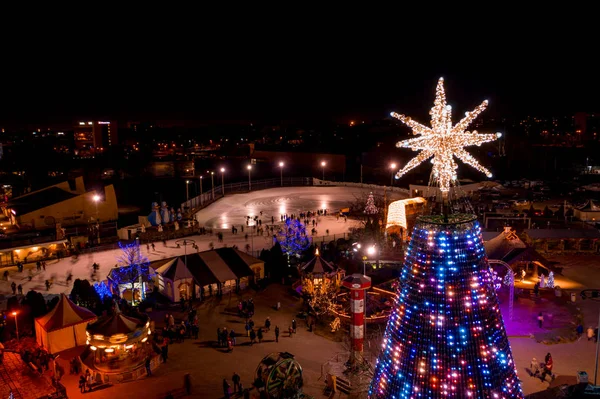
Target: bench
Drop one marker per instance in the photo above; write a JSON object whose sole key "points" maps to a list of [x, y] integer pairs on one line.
{"points": [[33, 368]]}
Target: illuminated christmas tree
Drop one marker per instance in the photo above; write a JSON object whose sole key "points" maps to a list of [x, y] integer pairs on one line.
{"points": [[445, 336], [292, 238], [370, 208]]}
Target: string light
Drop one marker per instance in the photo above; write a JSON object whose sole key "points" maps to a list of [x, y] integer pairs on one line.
{"points": [[442, 141], [445, 336]]}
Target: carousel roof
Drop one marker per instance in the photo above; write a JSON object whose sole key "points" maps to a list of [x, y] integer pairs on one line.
{"points": [[65, 314], [117, 323], [318, 265]]}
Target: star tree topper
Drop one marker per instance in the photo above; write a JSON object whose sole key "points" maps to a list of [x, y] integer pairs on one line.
{"points": [[442, 141]]}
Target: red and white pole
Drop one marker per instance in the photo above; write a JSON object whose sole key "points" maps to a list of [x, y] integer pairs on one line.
{"points": [[358, 285]]}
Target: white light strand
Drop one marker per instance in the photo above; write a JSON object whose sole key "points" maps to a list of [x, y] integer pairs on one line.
{"points": [[442, 141]]}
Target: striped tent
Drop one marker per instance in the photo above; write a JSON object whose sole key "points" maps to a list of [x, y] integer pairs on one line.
{"points": [[63, 327]]}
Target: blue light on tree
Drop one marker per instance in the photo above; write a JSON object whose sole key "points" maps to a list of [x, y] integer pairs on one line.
{"points": [[133, 267], [292, 238], [102, 290], [445, 336]]}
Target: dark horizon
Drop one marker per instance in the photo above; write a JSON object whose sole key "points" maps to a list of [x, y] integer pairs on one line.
{"points": [[316, 84]]}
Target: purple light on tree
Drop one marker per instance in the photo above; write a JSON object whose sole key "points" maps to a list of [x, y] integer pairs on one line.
{"points": [[292, 238]]}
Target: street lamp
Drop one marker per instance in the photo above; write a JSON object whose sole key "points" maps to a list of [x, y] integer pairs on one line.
{"points": [[96, 199], [392, 167], [187, 191], [212, 184], [249, 178], [281, 170], [370, 252], [16, 324], [223, 181], [323, 163], [201, 191]]}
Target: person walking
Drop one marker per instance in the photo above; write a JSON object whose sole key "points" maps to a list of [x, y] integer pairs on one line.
{"points": [[164, 349], [294, 325], [534, 367], [259, 335], [252, 337], [236, 383], [590, 333], [20, 289], [540, 319], [147, 364], [226, 387], [548, 368], [276, 333], [268, 324], [82, 383], [232, 336], [13, 287], [219, 335]]}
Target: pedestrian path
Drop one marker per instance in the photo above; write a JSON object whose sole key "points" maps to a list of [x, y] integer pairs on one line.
{"points": [[15, 377]]}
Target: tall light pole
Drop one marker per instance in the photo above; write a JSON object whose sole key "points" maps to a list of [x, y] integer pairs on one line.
{"points": [[281, 164], [371, 252], [392, 167], [201, 191], [212, 184], [249, 178], [16, 324], [96, 199], [187, 191], [223, 181], [323, 163]]}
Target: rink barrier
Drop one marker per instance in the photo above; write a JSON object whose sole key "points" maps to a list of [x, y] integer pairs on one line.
{"points": [[195, 204], [319, 182]]}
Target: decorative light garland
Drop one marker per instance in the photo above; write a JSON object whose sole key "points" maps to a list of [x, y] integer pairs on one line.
{"points": [[442, 141], [445, 336]]}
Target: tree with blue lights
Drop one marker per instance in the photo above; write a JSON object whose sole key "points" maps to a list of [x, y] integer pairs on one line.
{"points": [[292, 238], [102, 290], [133, 266], [445, 336]]}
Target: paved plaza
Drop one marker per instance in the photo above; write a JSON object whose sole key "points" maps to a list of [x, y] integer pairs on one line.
{"points": [[208, 364]]}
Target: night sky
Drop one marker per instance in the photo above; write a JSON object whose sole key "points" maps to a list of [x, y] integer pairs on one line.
{"points": [[272, 77]]}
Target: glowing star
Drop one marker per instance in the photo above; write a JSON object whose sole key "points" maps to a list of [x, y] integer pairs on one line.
{"points": [[442, 141]]}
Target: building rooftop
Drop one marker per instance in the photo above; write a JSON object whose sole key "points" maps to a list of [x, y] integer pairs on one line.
{"points": [[39, 200]]}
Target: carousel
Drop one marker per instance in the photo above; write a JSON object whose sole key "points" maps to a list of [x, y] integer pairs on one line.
{"points": [[117, 343], [280, 375], [319, 283]]}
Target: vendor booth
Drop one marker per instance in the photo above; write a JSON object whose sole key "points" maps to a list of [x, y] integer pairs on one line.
{"points": [[174, 280], [130, 283], [64, 327]]}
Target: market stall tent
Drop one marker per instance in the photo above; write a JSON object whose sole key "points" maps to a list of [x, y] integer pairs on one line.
{"points": [[174, 279], [63, 327]]}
